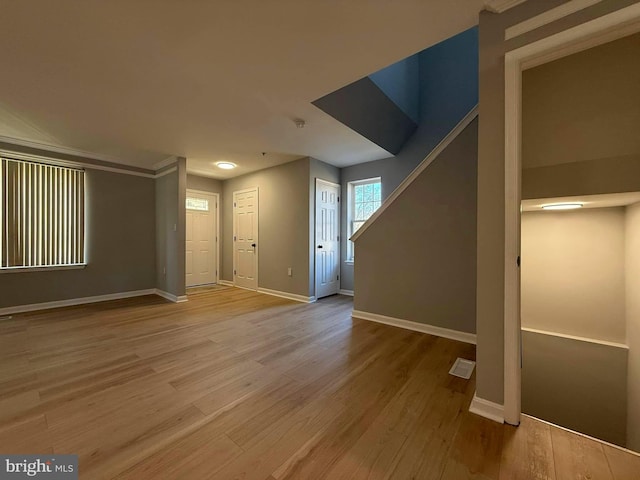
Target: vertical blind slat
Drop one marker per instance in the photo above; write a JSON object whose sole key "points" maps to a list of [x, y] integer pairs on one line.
{"points": [[41, 214]]}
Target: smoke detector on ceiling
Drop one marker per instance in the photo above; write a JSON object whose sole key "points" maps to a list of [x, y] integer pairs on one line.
{"points": [[300, 123]]}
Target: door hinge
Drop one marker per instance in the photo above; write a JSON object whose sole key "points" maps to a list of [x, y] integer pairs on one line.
{"points": [[234, 238], [234, 272], [234, 204], [338, 198], [338, 238], [518, 261], [338, 277]]}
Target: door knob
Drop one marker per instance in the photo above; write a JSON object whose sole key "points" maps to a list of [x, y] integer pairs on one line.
{"points": [[319, 246], [253, 245]]}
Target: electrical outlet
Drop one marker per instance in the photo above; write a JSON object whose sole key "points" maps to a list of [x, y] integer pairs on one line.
{"points": [[289, 271]]}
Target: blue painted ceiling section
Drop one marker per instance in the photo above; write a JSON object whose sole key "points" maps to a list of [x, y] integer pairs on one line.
{"points": [[409, 107], [401, 83]]}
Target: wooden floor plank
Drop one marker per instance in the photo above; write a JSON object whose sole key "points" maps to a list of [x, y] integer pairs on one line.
{"points": [[578, 457], [527, 451], [236, 384]]}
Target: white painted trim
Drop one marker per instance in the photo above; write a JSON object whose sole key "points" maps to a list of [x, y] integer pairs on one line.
{"points": [[315, 233], [166, 172], [47, 268], [499, 6], [547, 17], [573, 337], [171, 297], [226, 283], [485, 408], [595, 32], [60, 149], [233, 242], [416, 326], [346, 292], [584, 435], [287, 295], [457, 130], [75, 301], [52, 160], [217, 232], [165, 163]]}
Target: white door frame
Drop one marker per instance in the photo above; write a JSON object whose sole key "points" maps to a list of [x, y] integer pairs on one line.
{"points": [[233, 243], [217, 232], [315, 225], [606, 28]]}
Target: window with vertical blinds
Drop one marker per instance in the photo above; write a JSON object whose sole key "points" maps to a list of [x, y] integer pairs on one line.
{"points": [[42, 215]]}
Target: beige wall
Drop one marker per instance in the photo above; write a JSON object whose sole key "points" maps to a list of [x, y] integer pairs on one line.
{"points": [[417, 260], [283, 226], [591, 177], [120, 246], [166, 194], [204, 184], [575, 384], [491, 193], [633, 325], [572, 274], [583, 107]]}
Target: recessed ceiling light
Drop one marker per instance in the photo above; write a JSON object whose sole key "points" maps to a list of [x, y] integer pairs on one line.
{"points": [[226, 165], [562, 206]]}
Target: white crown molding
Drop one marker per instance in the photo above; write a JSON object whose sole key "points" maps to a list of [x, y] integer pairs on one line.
{"points": [[287, 295], [75, 301], [170, 296], [547, 17], [451, 136], [346, 292], [499, 6], [485, 408], [76, 152], [416, 327], [166, 162]]}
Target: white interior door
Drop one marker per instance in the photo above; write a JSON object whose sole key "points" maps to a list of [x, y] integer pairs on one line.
{"points": [[201, 238], [245, 238], [327, 238]]}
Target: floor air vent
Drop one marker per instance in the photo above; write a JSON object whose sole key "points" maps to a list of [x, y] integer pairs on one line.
{"points": [[462, 368]]}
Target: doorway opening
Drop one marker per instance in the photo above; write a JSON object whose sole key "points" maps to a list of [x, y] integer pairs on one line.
{"points": [[608, 28]]}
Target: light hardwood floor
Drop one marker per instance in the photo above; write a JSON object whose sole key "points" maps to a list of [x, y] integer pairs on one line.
{"points": [[235, 384]]}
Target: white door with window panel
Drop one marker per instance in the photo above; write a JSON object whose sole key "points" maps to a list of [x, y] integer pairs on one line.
{"points": [[245, 238], [327, 238], [201, 239]]}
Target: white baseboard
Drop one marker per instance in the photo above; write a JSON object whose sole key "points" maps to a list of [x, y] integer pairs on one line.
{"points": [[226, 283], [170, 296], [487, 409], [287, 295], [417, 327], [75, 301], [346, 292]]}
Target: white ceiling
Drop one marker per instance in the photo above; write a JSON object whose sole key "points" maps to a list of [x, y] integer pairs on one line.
{"points": [[588, 201], [137, 81]]}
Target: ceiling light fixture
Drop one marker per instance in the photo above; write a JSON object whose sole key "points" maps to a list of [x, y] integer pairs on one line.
{"points": [[226, 165], [300, 123], [562, 206]]}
